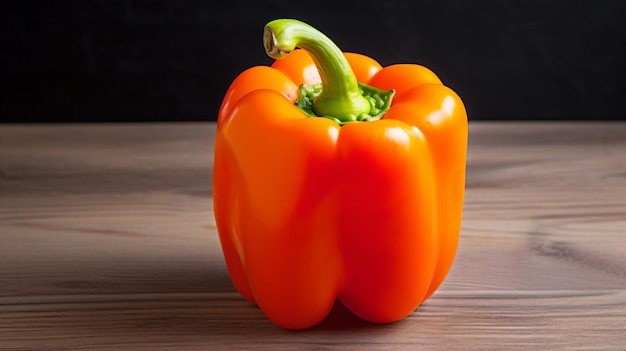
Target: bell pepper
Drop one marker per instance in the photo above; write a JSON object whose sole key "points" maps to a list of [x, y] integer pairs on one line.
{"points": [[337, 179]]}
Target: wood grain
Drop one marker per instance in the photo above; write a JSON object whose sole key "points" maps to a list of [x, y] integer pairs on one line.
{"points": [[107, 241]]}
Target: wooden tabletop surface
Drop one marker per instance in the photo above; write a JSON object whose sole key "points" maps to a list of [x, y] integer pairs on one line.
{"points": [[108, 241]]}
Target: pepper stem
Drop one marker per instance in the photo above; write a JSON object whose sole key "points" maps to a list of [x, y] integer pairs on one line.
{"points": [[340, 97]]}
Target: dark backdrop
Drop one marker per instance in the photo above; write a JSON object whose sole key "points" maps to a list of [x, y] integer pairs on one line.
{"points": [[66, 61]]}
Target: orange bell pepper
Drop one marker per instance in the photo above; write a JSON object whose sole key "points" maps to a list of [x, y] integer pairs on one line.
{"points": [[363, 206]]}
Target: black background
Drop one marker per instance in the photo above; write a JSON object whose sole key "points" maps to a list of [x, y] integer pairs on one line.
{"points": [[167, 60]]}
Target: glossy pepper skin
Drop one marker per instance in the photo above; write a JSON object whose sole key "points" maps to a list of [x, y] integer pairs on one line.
{"points": [[309, 211]]}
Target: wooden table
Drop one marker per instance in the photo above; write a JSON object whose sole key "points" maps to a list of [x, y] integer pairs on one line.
{"points": [[108, 241]]}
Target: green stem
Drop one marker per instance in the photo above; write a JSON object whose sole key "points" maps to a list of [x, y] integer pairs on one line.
{"points": [[340, 97]]}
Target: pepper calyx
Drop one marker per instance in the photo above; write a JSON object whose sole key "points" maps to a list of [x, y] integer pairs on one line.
{"points": [[379, 100]]}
